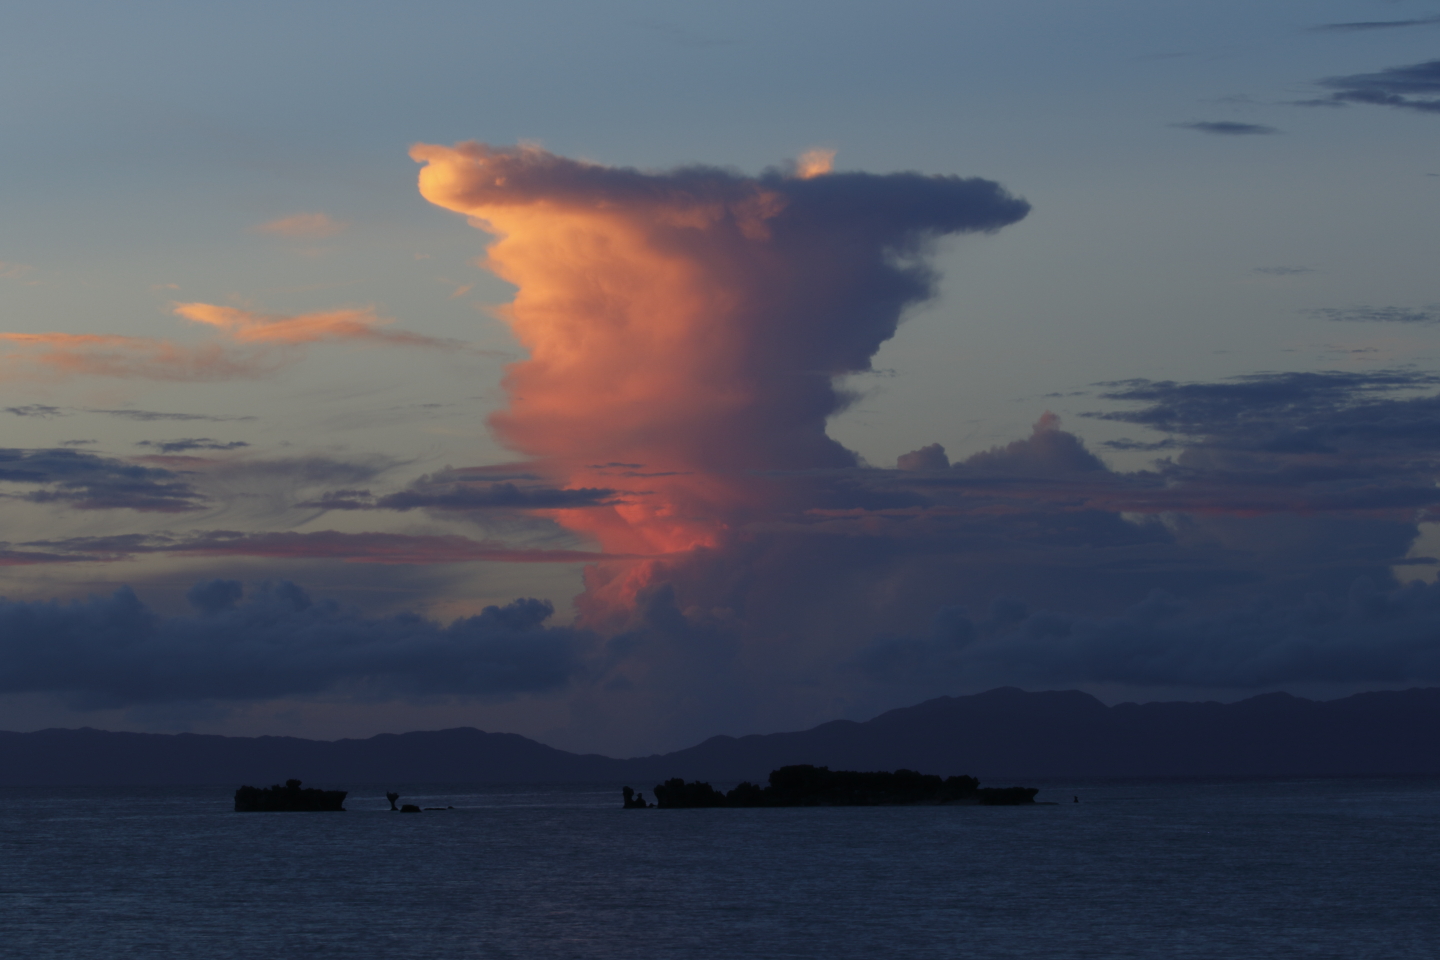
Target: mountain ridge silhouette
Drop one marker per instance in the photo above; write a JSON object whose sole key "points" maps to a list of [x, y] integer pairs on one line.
{"points": [[1005, 733]]}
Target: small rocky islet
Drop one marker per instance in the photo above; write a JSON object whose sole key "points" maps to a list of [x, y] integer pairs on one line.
{"points": [[804, 785]]}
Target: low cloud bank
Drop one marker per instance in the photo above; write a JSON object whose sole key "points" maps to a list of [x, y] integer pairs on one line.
{"points": [[115, 651], [1366, 635]]}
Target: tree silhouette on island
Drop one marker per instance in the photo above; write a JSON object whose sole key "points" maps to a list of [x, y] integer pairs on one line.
{"points": [[804, 785], [288, 798]]}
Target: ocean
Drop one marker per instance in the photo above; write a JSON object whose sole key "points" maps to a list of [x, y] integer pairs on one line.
{"points": [[1206, 868]]}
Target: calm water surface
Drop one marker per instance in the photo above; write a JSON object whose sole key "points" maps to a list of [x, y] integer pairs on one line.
{"points": [[1294, 868]]}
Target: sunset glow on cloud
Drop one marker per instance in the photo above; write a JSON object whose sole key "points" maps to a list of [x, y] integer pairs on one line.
{"points": [[303, 226], [250, 345], [244, 326], [684, 329]]}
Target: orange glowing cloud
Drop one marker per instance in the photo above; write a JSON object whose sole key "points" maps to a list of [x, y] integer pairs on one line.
{"points": [[302, 226], [250, 345], [815, 163], [244, 326], [684, 329], [52, 355]]}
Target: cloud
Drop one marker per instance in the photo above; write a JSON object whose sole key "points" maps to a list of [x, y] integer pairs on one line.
{"points": [[1283, 271], [193, 443], [1048, 450], [428, 494], [84, 481], [148, 416], [248, 327], [15, 271], [1366, 25], [1295, 412], [114, 651], [1423, 315], [693, 321], [1415, 86], [815, 163], [250, 345], [926, 458], [1227, 128], [303, 226], [52, 355], [391, 548], [683, 333], [36, 410], [1364, 635]]}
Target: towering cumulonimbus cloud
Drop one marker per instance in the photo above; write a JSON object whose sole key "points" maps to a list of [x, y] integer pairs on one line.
{"points": [[685, 329]]}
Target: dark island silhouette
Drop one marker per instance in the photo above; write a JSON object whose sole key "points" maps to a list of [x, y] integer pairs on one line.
{"points": [[805, 785], [288, 798], [1001, 735]]}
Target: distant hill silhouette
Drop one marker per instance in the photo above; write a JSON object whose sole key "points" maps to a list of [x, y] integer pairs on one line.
{"points": [[999, 735]]}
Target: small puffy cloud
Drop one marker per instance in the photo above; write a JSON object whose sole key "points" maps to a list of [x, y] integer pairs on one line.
{"points": [[926, 458], [15, 271], [1048, 450], [815, 163], [1228, 128], [302, 226]]}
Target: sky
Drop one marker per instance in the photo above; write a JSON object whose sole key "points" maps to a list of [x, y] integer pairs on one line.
{"points": [[624, 373]]}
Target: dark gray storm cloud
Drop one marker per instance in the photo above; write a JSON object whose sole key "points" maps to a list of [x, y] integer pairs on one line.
{"points": [[192, 443], [115, 651], [1227, 128], [1412, 87], [85, 481]]}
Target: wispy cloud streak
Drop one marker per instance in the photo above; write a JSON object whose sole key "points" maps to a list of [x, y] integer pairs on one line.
{"points": [[250, 345]]}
